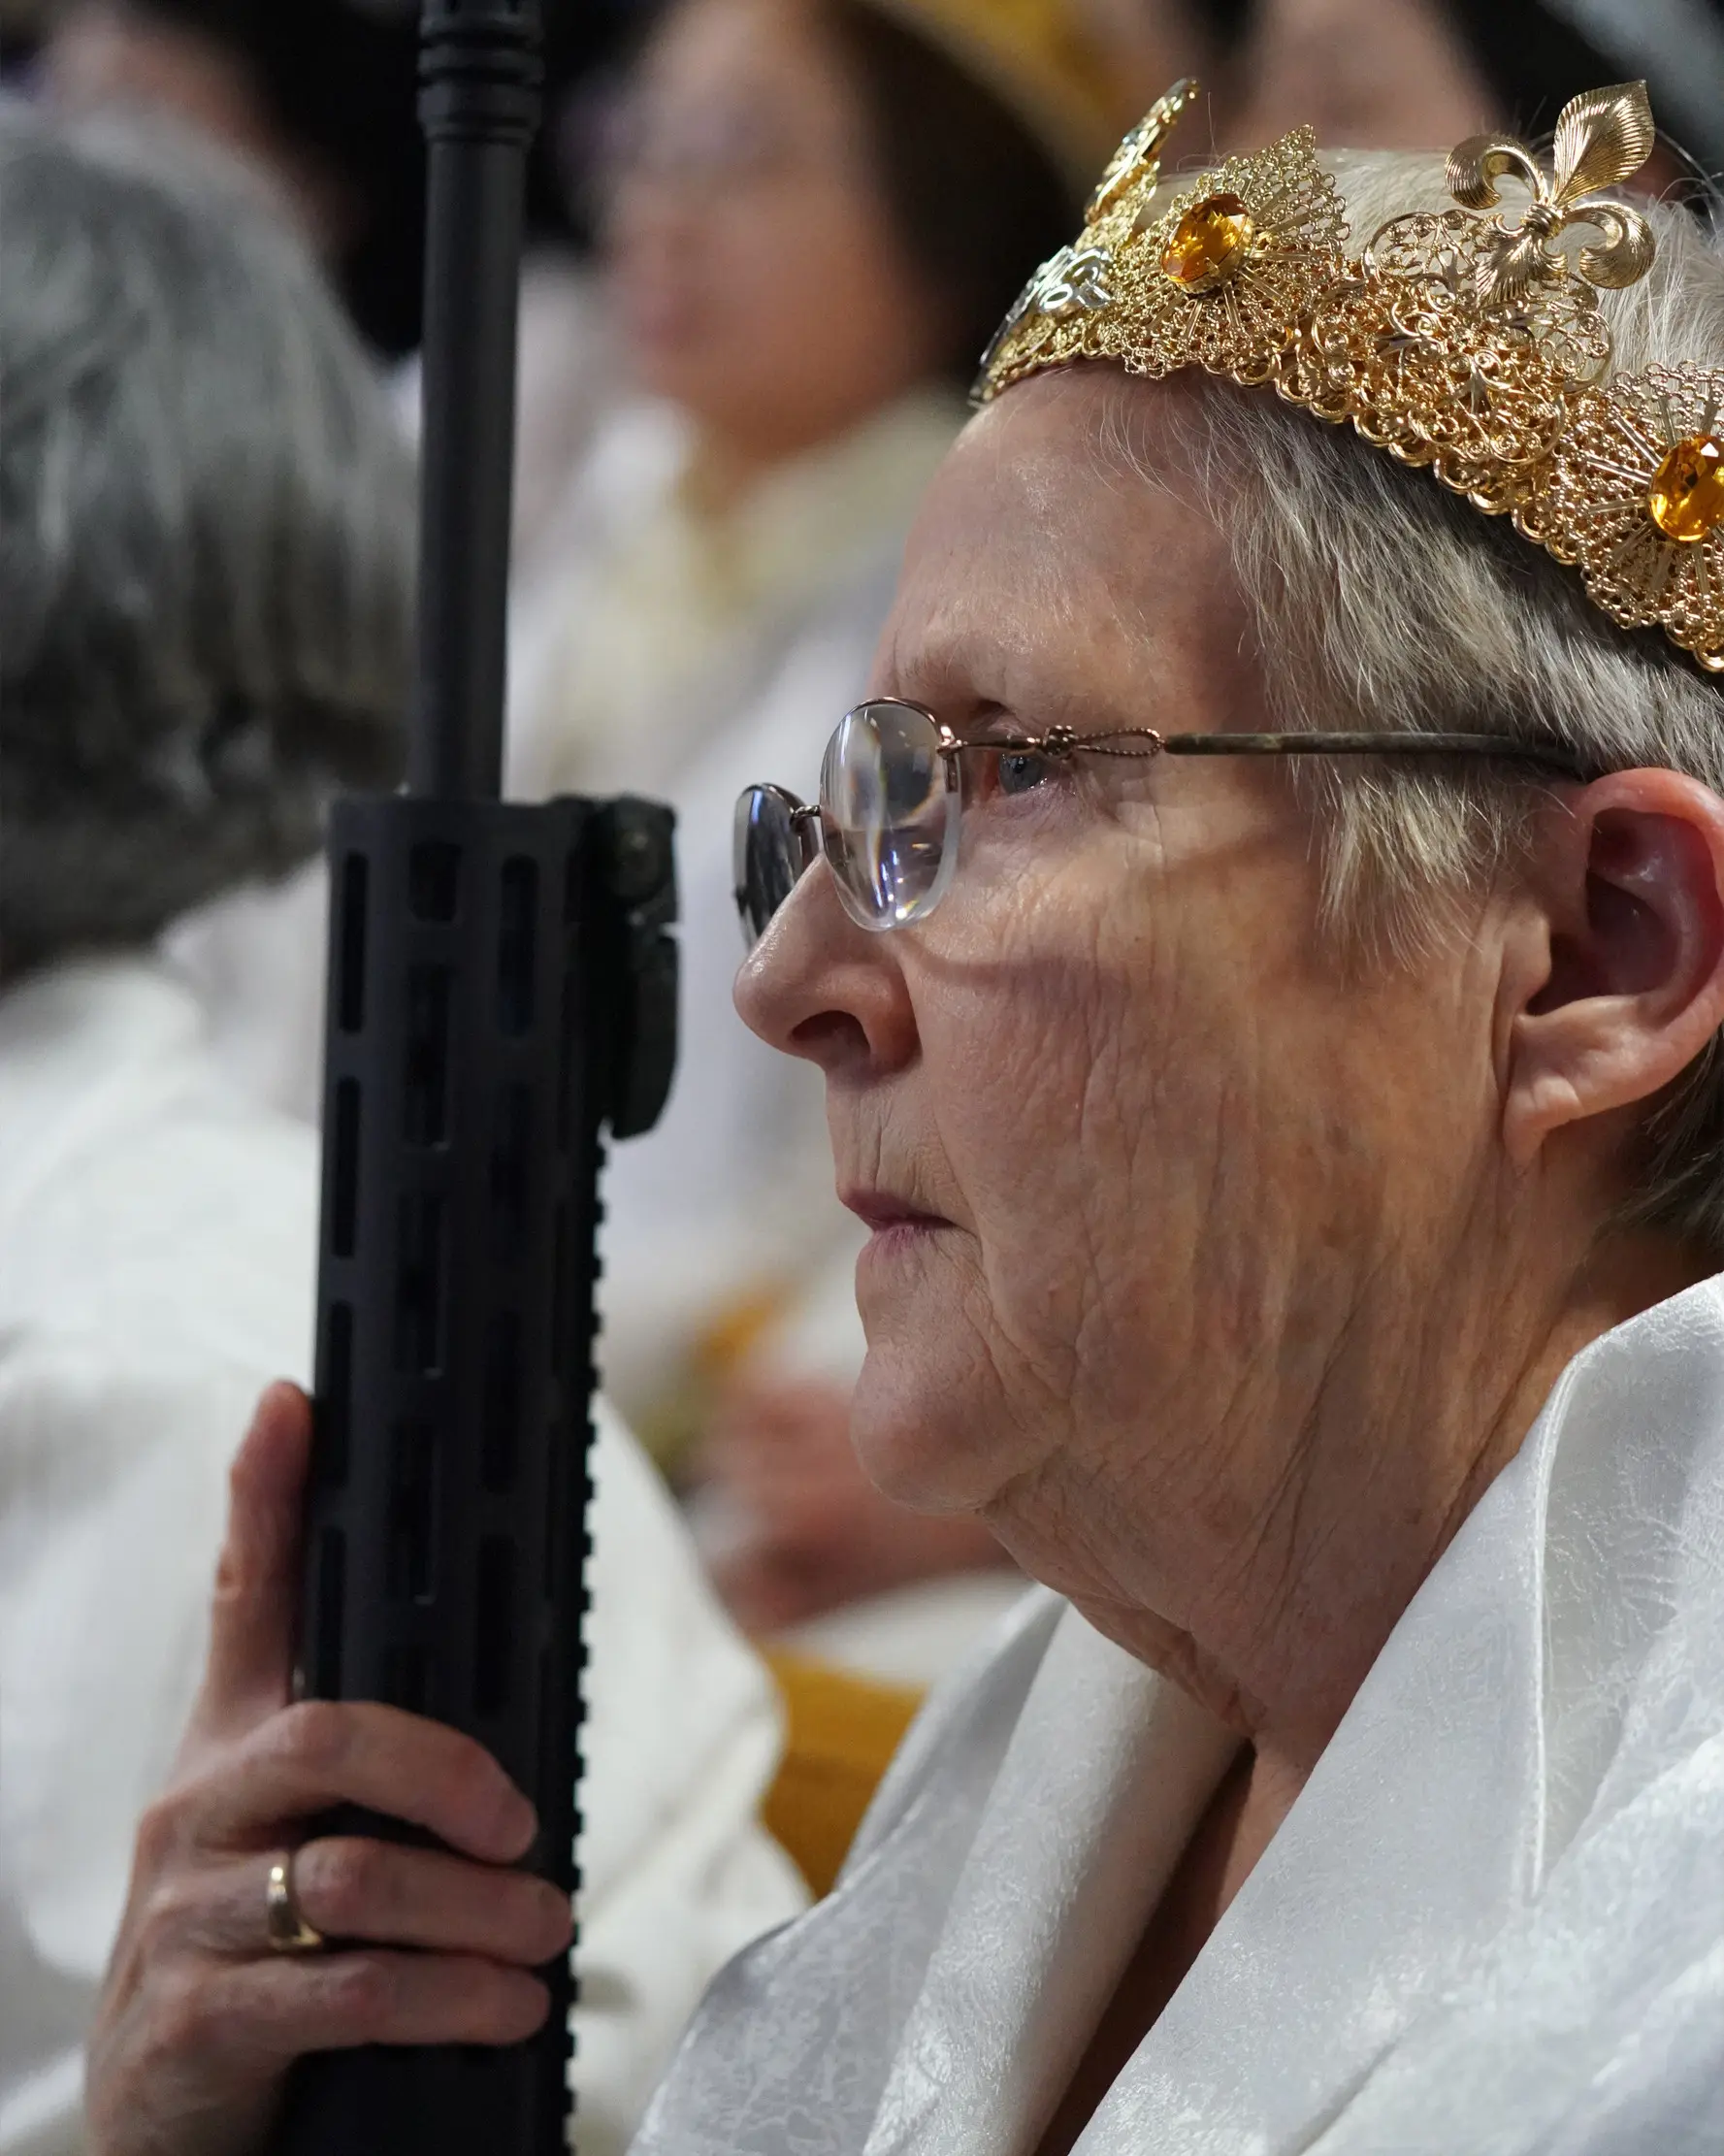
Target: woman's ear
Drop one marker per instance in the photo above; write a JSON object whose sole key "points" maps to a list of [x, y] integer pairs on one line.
{"points": [[1622, 980]]}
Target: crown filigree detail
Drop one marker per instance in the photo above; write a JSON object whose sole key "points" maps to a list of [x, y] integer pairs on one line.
{"points": [[1634, 496], [1469, 339], [1260, 240], [1139, 156]]}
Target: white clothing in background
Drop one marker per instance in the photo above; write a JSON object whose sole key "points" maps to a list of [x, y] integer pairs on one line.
{"points": [[913, 1636], [568, 381], [1491, 1925], [255, 958], [157, 1240]]}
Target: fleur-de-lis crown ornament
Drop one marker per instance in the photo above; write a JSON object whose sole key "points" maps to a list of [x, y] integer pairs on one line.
{"points": [[1469, 339], [1602, 138]]}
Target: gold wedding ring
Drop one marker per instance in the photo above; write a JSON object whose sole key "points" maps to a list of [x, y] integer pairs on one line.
{"points": [[289, 1933]]}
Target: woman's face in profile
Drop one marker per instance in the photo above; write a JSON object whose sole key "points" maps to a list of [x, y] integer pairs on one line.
{"points": [[758, 277], [1131, 1131]]}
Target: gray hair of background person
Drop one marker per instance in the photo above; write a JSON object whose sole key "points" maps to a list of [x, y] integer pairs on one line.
{"points": [[205, 533]]}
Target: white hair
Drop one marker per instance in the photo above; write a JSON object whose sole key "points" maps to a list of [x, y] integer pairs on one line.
{"points": [[1376, 598], [205, 539]]}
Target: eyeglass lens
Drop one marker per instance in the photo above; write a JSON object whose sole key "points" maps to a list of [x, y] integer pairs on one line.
{"points": [[768, 858], [889, 809], [888, 803]]}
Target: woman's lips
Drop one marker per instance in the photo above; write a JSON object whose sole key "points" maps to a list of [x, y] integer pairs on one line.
{"points": [[892, 1220]]}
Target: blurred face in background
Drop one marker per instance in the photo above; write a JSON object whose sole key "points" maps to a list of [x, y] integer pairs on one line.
{"points": [[101, 55], [758, 277]]}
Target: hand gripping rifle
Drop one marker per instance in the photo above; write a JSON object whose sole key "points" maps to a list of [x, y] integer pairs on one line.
{"points": [[502, 984]]}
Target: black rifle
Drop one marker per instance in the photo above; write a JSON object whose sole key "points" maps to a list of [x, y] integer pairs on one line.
{"points": [[502, 984]]}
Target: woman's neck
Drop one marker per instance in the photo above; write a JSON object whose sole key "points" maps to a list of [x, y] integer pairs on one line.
{"points": [[1411, 1445], [1404, 1430]]}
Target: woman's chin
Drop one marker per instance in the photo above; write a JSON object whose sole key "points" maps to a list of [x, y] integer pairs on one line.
{"points": [[917, 1441]]}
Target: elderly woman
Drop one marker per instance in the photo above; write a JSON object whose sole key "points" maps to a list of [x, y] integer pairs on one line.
{"points": [[1264, 944]]}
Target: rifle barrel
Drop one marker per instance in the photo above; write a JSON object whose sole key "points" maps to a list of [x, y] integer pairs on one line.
{"points": [[480, 72]]}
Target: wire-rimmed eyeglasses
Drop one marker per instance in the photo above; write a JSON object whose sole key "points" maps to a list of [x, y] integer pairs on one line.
{"points": [[887, 815]]}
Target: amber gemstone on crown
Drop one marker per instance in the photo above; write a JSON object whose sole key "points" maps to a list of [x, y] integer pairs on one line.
{"points": [[1209, 243], [1686, 497]]}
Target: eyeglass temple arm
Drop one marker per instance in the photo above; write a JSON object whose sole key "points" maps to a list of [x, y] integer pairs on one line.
{"points": [[1064, 741], [1551, 754], [1146, 742]]}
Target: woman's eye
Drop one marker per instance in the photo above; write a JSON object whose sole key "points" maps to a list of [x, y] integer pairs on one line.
{"points": [[1021, 770]]}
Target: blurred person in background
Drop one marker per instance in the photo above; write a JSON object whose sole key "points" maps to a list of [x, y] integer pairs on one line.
{"points": [[814, 210], [1536, 54], [1420, 74], [318, 101], [1385, 74], [321, 99], [204, 582]]}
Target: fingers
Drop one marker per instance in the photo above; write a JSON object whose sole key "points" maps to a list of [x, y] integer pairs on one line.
{"points": [[352, 1889], [189, 2057], [270, 2011], [401, 1897], [198, 2017], [258, 1579], [310, 1757]]}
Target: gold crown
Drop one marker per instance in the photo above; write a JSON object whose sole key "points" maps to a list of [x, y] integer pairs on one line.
{"points": [[1458, 338]]}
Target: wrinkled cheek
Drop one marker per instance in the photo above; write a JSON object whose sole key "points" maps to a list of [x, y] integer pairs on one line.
{"points": [[936, 1421], [1041, 1074], [1027, 1123], [1091, 1246]]}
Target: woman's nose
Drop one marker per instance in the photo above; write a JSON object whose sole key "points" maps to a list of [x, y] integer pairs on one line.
{"points": [[817, 986]]}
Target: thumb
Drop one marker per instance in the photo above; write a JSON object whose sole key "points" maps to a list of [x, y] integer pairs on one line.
{"points": [[256, 1598]]}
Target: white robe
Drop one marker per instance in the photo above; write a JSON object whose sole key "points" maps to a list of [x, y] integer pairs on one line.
{"points": [[1492, 1924], [158, 1239]]}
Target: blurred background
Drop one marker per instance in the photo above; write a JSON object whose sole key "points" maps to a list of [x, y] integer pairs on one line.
{"points": [[768, 242]]}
